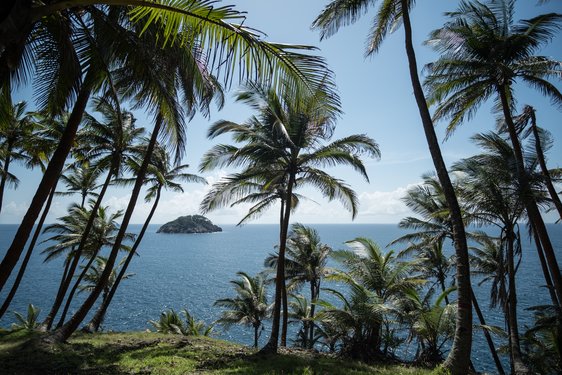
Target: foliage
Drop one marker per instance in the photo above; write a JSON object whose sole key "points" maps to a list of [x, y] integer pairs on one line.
{"points": [[28, 322], [137, 352], [542, 343], [171, 322]]}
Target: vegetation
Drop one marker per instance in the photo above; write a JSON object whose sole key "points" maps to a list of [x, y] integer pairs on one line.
{"points": [[92, 64], [156, 353]]}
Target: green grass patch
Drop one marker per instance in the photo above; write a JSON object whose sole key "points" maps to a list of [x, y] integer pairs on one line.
{"points": [[153, 353]]}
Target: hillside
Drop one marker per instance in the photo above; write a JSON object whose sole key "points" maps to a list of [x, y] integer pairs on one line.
{"points": [[152, 353]]}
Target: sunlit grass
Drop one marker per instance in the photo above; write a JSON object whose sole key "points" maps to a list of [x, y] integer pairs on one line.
{"points": [[152, 353]]}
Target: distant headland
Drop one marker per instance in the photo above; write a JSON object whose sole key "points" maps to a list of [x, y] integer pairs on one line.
{"points": [[189, 224]]}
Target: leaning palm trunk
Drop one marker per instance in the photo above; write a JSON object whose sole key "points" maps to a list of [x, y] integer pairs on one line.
{"points": [[459, 356], [518, 366], [531, 207], [76, 259], [544, 170], [487, 335], [25, 261], [544, 267], [64, 332], [75, 287], [272, 344], [6, 166], [94, 324], [48, 181]]}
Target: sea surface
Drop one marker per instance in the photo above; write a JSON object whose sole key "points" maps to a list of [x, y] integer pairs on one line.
{"points": [[193, 270]]}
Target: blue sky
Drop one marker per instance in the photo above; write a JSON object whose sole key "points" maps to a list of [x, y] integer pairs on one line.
{"points": [[377, 100]]}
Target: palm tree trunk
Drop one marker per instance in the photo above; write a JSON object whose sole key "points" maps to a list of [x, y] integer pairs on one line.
{"points": [[256, 328], [25, 261], [5, 174], [94, 324], [272, 344], [459, 356], [312, 309], [487, 335], [48, 181], [64, 332], [530, 204], [285, 319], [542, 162], [544, 267], [46, 325], [74, 288], [514, 345], [76, 260]]}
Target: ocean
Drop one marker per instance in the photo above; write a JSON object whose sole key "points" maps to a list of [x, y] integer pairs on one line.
{"points": [[193, 270]]}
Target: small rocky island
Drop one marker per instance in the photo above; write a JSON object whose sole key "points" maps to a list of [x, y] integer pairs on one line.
{"points": [[189, 224]]}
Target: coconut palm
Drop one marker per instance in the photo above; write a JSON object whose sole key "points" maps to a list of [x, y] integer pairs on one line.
{"points": [[17, 128], [74, 59], [46, 138], [300, 311], [81, 178], [543, 141], [377, 280], [108, 145], [433, 325], [68, 234], [389, 14], [92, 276], [305, 263], [494, 197], [484, 52], [281, 152], [171, 322], [249, 307], [161, 175]]}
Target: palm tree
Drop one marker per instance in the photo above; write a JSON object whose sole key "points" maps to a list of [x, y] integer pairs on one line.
{"points": [[16, 137], [108, 145], [301, 312], [377, 280], [249, 307], [68, 234], [431, 231], [161, 175], [171, 322], [494, 197], [543, 141], [282, 152], [92, 276], [234, 47], [81, 178], [391, 13], [432, 324], [483, 54], [47, 135], [305, 263]]}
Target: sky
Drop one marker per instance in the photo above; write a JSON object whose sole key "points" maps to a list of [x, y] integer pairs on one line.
{"points": [[377, 100]]}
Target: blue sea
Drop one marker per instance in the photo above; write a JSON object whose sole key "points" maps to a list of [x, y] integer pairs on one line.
{"points": [[193, 270]]}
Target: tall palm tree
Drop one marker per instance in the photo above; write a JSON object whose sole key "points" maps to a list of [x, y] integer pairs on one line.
{"points": [[17, 128], [34, 41], [281, 150], [432, 228], [108, 145], [542, 142], [161, 175], [81, 178], [249, 307], [305, 263], [46, 137], [484, 52], [389, 14], [69, 233], [493, 195], [93, 275]]}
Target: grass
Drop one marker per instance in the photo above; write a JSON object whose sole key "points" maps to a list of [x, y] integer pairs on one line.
{"points": [[153, 353]]}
